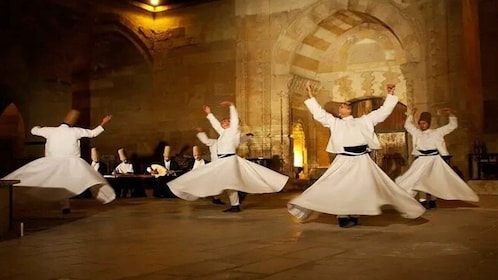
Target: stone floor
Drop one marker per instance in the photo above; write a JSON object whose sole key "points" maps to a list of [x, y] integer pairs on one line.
{"points": [[152, 239]]}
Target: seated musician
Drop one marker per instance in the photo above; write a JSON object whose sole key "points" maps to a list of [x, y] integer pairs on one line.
{"points": [[98, 166], [196, 160], [96, 163], [123, 186], [164, 173]]}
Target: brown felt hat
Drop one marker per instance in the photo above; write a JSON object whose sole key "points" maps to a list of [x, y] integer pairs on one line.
{"points": [[426, 117]]}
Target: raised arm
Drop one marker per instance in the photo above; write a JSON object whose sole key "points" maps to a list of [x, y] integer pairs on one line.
{"points": [[452, 123], [246, 137], [409, 126], [39, 131], [212, 119], [379, 115], [234, 116], [202, 136], [96, 131], [319, 114], [105, 120]]}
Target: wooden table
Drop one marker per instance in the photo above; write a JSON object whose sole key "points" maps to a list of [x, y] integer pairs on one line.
{"points": [[6, 205], [483, 166], [135, 183], [141, 176]]}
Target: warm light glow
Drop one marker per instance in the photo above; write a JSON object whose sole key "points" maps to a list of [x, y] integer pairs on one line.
{"points": [[298, 157], [154, 6], [299, 146]]}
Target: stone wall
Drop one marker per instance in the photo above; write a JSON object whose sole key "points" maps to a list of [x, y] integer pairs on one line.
{"points": [[488, 35], [154, 72], [348, 50]]}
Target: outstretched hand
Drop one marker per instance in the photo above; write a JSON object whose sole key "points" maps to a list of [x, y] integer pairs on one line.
{"points": [[414, 110], [226, 103], [199, 129], [105, 120], [308, 88], [448, 111], [390, 88], [207, 109]]}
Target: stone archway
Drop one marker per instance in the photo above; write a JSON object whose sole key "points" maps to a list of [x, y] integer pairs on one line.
{"points": [[109, 52], [141, 38], [11, 137], [348, 51]]}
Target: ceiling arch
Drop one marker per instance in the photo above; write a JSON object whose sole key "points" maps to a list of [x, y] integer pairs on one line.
{"points": [[316, 31]]}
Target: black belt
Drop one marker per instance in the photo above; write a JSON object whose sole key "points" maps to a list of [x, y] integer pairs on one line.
{"points": [[225, 155], [428, 152], [355, 150]]}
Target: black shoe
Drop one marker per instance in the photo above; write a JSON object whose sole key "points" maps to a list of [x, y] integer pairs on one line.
{"points": [[432, 204], [217, 201], [354, 220], [66, 211], [346, 222], [233, 209], [425, 204], [242, 196]]}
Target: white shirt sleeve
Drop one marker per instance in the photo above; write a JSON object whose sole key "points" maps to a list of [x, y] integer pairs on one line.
{"points": [[409, 126], [447, 129], [89, 133], [319, 114], [202, 136], [215, 123], [379, 115], [39, 131], [234, 118]]}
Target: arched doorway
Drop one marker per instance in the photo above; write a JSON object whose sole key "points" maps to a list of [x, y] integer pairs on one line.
{"points": [[347, 52], [11, 137], [300, 152]]}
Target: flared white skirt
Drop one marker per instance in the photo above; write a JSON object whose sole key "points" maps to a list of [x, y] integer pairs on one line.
{"points": [[431, 174], [230, 173], [354, 185], [59, 178]]}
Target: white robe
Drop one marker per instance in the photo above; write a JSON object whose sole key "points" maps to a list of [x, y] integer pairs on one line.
{"points": [[353, 185], [95, 165], [229, 173], [211, 143], [431, 174], [62, 173], [198, 163], [124, 168]]}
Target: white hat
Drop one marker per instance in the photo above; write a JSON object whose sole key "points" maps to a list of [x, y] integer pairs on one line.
{"points": [[72, 117], [167, 150], [95, 154], [122, 154]]}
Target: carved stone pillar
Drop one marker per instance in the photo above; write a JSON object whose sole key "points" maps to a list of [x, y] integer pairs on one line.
{"points": [[472, 67], [414, 88]]}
